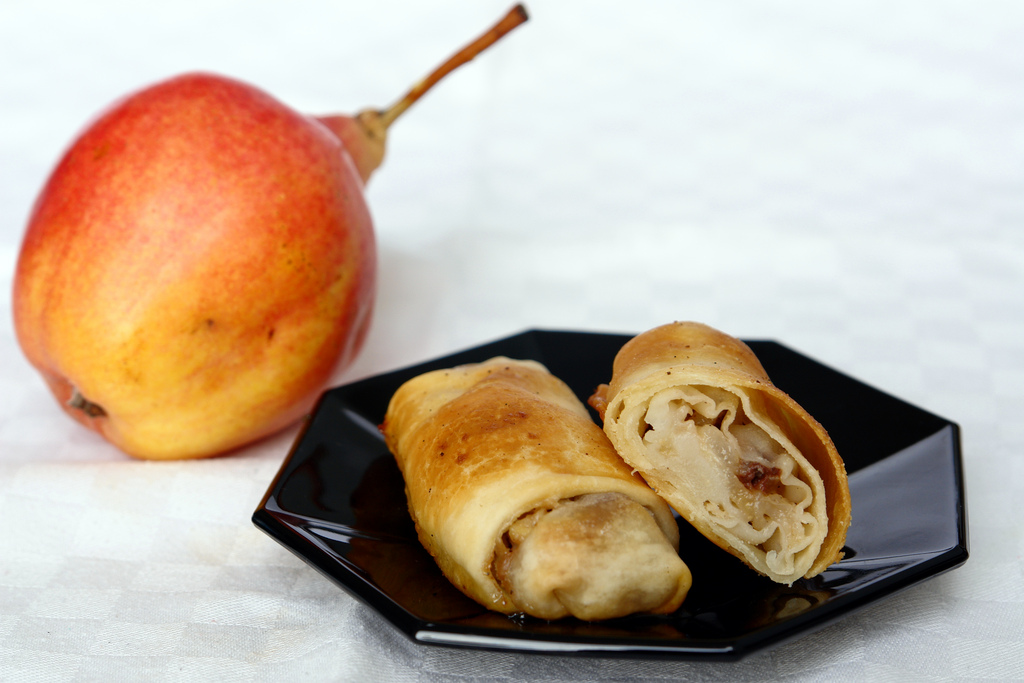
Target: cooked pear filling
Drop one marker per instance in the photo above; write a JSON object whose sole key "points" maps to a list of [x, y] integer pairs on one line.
{"points": [[751, 487], [599, 552]]}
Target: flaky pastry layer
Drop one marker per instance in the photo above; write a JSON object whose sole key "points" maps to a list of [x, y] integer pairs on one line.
{"points": [[693, 411], [522, 500]]}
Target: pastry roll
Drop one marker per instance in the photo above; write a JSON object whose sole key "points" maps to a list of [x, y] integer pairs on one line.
{"points": [[693, 411], [523, 502]]}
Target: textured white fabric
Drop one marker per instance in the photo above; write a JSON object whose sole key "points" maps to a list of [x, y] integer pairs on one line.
{"points": [[846, 179]]}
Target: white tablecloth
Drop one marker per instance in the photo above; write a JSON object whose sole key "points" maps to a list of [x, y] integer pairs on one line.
{"points": [[847, 179]]}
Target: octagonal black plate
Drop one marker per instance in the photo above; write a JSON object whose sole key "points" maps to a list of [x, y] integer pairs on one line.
{"points": [[338, 503]]}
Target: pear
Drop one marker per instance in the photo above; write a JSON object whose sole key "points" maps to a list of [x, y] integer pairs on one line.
{"points": [[202, 260]]}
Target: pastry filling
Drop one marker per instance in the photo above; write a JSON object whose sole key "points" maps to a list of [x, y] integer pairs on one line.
{"points": [[748, 485], [599, 553]]}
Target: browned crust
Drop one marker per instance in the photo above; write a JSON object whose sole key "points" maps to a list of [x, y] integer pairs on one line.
{"points": [[677, 346], [506, 427]]}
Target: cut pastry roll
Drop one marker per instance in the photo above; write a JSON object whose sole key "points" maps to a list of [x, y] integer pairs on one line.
{"points": [[523, 502], [693, 411]]}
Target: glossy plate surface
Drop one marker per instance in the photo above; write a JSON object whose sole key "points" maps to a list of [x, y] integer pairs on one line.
{"points": [[338, 503]]}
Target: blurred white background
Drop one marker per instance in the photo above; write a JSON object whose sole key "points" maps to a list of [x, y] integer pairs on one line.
{"points": [[613, 166]]}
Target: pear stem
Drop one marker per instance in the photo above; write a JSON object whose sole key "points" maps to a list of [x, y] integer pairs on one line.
{"points": [[516, 16]]}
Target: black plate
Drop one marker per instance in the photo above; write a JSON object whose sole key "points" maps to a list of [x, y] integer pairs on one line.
{"points": [[338, 503]]}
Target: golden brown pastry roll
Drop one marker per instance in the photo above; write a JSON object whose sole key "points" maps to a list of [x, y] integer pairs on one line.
{"points": [[523, 502], [693, 411]]}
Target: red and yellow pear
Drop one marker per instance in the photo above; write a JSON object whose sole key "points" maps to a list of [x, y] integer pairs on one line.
{"points": [[202, 260]]}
